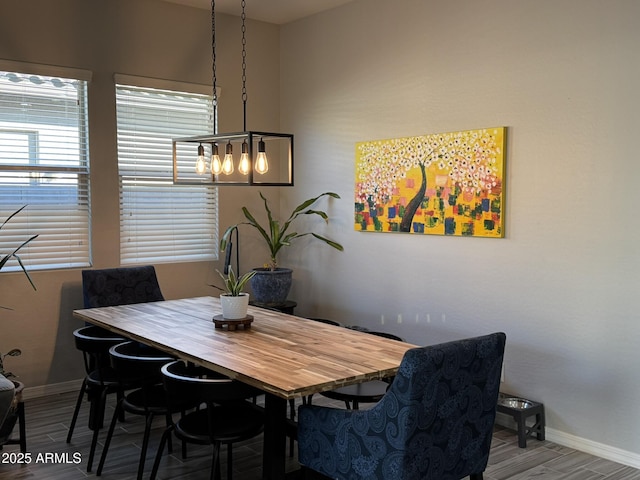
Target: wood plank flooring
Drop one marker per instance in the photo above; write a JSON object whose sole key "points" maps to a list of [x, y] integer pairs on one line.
{"points": [[48, 422]]}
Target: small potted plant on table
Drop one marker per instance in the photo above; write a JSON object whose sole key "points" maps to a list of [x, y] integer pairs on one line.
{"points": [[235, 301]]}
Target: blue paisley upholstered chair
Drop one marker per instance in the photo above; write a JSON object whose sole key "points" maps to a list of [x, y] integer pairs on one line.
{"points": [[434, 423]]}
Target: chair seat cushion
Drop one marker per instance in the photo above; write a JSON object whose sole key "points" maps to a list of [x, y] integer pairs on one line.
{"points": [[105, 377], [150, 399], [231, 423]]}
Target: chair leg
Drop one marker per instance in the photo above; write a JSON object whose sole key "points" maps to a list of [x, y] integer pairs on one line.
{"points": [[145, 444], [292, 417], [156, 462], [105, 449], [215, 462], [169, 422], [292, 409], [119, 398], [83, 389], [92, 449], [102, 399], [306, 473], [229, 462]]}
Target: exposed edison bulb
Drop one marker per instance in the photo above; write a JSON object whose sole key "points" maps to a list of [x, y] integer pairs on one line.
{"points": [[245, 164], [227, 165], [262, 164], [216, 163], [201, 163]]}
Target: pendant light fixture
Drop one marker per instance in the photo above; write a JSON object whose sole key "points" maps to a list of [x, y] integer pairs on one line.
{"points": [[265, 159]]}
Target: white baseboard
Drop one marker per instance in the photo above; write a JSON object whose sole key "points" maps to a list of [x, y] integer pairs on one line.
{"points": [[51, 389], [578, 443], [594, 448]]}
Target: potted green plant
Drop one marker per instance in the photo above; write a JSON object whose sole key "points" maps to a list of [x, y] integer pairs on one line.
{"points": [[16, 352], [8, 418], [235, 301], [271, 283]]}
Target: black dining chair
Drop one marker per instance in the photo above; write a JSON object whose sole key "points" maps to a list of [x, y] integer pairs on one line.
{"points": [[106, 288], [365, 392], [140, 365], [227, 416], [99, 381], [326, 321]]}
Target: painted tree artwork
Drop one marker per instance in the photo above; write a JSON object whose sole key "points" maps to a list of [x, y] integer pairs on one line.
{"points": [[439, 184]]}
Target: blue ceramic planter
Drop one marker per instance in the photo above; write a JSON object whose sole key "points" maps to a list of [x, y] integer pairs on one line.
{"points": [[271, 287]]}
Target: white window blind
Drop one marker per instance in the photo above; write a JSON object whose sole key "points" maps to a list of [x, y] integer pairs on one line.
{"points": [[160, 221], [44, 164]]}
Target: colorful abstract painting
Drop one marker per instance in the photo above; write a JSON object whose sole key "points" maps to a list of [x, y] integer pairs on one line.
{"points": [[440, 184]]}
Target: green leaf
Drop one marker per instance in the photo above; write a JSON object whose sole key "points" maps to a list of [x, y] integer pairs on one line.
{"points": [[12, 215], [276, 234], [234, 285], [14, 253], [331, 243]]}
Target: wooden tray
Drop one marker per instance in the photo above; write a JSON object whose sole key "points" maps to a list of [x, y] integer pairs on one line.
{"points": [[219, 321]]}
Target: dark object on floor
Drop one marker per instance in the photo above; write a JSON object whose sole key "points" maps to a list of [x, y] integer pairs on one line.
{"points": [[521, 409]]}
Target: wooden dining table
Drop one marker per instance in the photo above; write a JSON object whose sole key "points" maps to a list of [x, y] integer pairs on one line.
{"points": [[283, 355]]}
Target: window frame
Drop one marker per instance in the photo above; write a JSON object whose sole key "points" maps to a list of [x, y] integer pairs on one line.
{"points": [[62, 223], [179, 253]]}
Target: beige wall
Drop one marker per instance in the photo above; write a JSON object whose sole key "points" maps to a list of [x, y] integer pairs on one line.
{"points": [[134, 37], [563, 76]]}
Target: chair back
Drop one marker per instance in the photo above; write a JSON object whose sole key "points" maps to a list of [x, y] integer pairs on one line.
{"points": [[434, 423], [120, 286], [183, 380], [135, 361], [95, 342], [390, 336], [327, 321], [447, 396]]}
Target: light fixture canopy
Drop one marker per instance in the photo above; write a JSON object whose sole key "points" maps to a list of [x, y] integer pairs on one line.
{"points": [[266, 158]]}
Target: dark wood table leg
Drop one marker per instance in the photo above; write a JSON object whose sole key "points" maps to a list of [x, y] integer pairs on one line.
{"points": [[274, 445]]}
